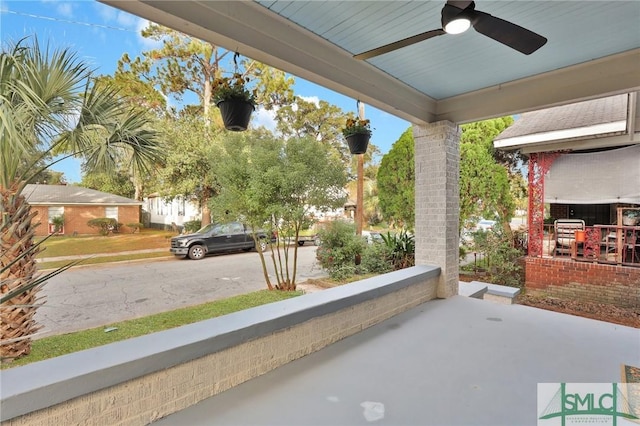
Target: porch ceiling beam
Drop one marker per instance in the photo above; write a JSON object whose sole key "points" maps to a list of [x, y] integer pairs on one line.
{"points": [[577, 145], [589, 80]]}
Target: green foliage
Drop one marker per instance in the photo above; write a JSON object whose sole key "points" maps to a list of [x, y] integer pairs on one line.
{"points": [[135, 226], [192, 226], [338, 250], [117, 182], [272, 184], [104, 224], [402, 247], [396, 182], [485, 183], [377, 259], [500, 255], [225, 88], [355, 125], [58, 223], [186, 64]]}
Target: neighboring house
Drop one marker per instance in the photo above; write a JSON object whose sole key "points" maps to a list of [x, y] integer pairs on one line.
{"points": [[584, 162], [165, 214], [77, 206]]}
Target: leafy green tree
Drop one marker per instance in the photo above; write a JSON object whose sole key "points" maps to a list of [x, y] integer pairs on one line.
{"points": [[188, 65], [396, 182], [187, 169], [116, 182], [49, 104], [267, 181], [485, 185]]}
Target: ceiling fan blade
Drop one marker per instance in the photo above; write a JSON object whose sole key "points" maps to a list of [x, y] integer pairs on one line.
{"points": [[460, 4], [398, 44], [507, 33]]}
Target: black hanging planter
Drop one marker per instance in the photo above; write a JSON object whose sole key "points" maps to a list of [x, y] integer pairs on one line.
{"points": [[358, 142], [236, 114]]}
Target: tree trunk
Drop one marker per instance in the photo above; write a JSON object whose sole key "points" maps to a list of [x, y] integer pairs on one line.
{"points": [[16, 237], [206, 213]]}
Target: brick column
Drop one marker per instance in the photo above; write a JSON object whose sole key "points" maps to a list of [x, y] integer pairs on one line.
{"points": [[437, 163]]}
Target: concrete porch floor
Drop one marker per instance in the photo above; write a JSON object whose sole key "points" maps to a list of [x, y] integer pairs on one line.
{"points": [[458, 361]]}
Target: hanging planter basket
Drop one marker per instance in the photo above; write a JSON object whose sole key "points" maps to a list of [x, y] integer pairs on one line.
{"points": [[236, 114], [358, 142]]}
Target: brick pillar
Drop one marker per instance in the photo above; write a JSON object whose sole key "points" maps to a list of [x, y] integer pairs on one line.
{"points": [[437, 163]]}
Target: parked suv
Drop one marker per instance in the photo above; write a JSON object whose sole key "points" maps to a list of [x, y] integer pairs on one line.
{"points": [[216, 238]]}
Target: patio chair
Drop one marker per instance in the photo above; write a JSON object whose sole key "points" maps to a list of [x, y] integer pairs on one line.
{"points": [[565, 233]]}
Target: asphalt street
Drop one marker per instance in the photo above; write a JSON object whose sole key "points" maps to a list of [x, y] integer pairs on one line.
{"points": [[98, 295]]}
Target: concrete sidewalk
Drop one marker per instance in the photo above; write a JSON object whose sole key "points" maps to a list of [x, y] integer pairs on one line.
{"points": [[89, 256]]}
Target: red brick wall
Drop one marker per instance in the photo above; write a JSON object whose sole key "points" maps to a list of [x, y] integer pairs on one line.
{"points": [[589, 282], [76, 218]]}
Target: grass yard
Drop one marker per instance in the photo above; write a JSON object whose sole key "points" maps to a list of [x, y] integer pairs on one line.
{"points": [[50, 347], [94, 244]]}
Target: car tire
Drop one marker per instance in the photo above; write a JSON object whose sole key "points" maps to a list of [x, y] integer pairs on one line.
{"points": [[196, 252], [316, 241], [264, 245], [300, 243]]}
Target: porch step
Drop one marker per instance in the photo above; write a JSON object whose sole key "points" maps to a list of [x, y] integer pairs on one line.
{"points": [[487, 291], [473, 289]]}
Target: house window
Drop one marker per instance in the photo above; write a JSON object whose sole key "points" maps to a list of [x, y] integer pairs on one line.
{"points": [[55, 220], [55, 212], [111, 212]]}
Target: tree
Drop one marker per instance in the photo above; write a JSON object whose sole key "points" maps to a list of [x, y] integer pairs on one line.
{"points": [[116, 182], [185, 64], [265, 180], [485, 184], [48, 104], [396, 182], [188, 170]]}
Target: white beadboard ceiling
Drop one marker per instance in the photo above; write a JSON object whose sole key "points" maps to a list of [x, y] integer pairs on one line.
{"points": [[593, 50]]}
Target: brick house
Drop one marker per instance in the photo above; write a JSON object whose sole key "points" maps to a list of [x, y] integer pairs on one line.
{"points": [[77, 206], [584, 164]]}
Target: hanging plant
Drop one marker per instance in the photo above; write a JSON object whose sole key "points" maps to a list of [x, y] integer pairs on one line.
{"points": [[235, 100], [357, 133]]}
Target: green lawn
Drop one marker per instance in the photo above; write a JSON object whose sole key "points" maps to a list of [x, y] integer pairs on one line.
{"points": [[91, 244], [50, 347]]}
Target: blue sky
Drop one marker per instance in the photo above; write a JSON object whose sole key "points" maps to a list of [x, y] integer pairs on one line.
{"points": [[100, 34]]}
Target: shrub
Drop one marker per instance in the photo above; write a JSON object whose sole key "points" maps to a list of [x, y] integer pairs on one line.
{"points": [[192, 226], [58, 223], [104, 225], [338, 250], [402, 247], [135, 226], [377, 259], [501, 257]]}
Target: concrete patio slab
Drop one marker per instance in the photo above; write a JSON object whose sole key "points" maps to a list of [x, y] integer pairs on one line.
{"points": [[459, 361]]}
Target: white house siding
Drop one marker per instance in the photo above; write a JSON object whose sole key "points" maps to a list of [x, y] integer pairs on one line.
{"points": [[165, 213]]}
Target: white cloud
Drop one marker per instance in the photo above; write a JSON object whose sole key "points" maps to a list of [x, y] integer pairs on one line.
{"points": [[266, 119], [312, 99], [127, 20], [107, 13], [65, 9]]}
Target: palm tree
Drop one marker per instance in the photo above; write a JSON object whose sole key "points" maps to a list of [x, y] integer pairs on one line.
{"points": [[49, 105]]}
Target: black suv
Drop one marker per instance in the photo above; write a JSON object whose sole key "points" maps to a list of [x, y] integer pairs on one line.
{"points": [[216, 238]]}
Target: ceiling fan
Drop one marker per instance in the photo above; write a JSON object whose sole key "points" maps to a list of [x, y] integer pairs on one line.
{"points": [[457, 17]]}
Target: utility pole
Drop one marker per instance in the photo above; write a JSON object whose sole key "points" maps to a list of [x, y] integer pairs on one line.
{"points": [[360, 181]]}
